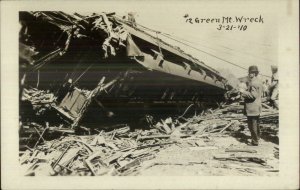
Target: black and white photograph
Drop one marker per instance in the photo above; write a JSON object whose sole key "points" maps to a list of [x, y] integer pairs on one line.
{"points": [[152, 89]]}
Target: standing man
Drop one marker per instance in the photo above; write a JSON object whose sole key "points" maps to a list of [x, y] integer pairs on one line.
{"points": [[252, 97], [274, 89]]}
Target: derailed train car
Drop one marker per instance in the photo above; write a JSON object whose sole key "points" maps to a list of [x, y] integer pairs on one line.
{"points": [[105, 64]]}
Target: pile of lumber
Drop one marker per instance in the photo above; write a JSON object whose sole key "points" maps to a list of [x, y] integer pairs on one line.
{"points": [[118, 152], [39, 99], [227, 117], [122, 151]]}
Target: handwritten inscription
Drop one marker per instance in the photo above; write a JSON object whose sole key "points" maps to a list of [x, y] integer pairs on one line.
{"points": [[226, 22]]}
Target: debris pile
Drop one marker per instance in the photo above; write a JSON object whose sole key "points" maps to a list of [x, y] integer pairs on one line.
{"points": [[122, 151], [118, 152], [39, 99]]}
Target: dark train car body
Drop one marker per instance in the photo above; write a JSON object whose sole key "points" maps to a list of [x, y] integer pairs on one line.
{"points": [[149, 73]]}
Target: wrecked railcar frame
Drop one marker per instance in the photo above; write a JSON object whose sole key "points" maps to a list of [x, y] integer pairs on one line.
{"points": [[104, 60]]}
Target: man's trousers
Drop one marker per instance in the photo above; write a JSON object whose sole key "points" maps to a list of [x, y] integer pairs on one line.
{"points": [[253, 125]]}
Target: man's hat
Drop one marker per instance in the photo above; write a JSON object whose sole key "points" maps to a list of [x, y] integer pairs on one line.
{"points": [[253, 69], [274, 69]]}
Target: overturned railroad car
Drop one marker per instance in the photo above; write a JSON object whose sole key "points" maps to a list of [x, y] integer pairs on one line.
{"points": [[103, 63]]}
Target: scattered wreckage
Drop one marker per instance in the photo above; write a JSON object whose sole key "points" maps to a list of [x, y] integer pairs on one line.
{"points": [[77, 72], [123, 152]]}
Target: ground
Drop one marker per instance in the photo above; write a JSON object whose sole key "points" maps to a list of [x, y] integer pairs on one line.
{"points": [[181, 160]]}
